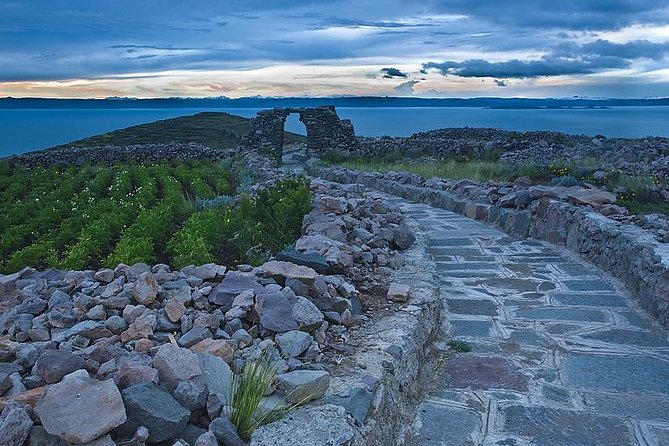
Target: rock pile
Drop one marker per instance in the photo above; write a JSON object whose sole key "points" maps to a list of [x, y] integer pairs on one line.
{"points": [[106, 352], [116, 154], [144, 354], [359, 235]]}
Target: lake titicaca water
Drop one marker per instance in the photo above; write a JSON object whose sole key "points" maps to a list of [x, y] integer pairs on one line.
{"points": [[23, 130]]}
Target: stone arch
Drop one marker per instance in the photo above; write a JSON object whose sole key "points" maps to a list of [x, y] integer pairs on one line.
{"points": [[325, 131]]}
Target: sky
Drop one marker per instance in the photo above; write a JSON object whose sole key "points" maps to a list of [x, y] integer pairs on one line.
{"points": [[420, 48]]}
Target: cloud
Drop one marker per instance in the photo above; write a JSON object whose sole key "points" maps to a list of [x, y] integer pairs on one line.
{"points": [[565, 59], [501, 82], [392, 72], [405, 88]]}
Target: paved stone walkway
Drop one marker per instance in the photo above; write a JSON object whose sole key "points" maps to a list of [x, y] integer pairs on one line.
{"points": [[560, 355]]}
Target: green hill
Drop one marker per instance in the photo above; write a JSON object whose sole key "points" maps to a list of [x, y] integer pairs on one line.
{"points": [[213, 129]]}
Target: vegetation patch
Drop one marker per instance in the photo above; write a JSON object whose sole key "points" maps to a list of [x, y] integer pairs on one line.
{"points": [[93, 216], [212, 129]]}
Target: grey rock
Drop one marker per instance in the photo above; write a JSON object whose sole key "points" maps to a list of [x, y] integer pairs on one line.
{"points": [[403, 238], [312, 260], [276, 312], [216, 375], [40, 437], [302, 386], [193, 336], [176, 364], [293, 343], [191, 394], [306, 314], [116, 324], [225, 432], [322, 425], [233, 283], [53, 365], [206, 439], [73, 409], [15, 424], [153, 407], [145, 289], [89, 329]]}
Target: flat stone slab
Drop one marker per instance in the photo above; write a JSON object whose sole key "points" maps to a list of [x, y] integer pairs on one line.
{"points": [[633, 374], [630, 337], [587, 285], [483, 372], [470, 306], [590, 300], [642, 407], [460, 429], [563, 314], [555, 427], [476, 329]]}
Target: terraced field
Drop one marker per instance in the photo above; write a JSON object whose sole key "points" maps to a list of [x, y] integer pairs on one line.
{"points": [[77, 218]]}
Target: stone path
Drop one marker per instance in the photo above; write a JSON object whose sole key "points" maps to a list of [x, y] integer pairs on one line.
{"points": [[560, 355]]}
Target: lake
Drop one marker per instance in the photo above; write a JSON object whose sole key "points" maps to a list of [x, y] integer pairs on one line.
{"points": [[23, 130]]}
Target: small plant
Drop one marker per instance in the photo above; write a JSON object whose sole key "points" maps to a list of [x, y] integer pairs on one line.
{"points": [[246, 392], [459, 346], [565, 180]]}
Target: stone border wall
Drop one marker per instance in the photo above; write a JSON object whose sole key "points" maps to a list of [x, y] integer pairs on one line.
{"points": [[625, 251], [374, 404]]}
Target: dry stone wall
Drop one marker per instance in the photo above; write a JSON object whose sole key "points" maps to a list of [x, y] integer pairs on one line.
{"points": [[626, 251]]}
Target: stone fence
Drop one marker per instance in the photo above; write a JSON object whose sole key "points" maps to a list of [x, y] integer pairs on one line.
{"points": [[625, 251]]}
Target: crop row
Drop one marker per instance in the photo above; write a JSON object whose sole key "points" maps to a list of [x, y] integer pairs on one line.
{"points": [[92, 216]]}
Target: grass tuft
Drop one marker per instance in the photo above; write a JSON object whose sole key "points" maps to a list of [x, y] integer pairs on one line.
{"points": [[246, 392]]}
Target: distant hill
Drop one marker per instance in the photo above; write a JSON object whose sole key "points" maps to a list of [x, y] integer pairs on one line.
{"points": [[212, 129]]}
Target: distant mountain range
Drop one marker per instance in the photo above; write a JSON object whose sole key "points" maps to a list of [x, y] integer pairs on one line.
{"points": [[263, 102]]}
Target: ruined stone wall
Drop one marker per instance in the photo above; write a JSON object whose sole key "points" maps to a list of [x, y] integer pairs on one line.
{"points": [[325, 130]]}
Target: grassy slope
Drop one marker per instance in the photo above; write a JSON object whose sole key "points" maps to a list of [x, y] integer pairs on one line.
{"points": [[212, 129]]}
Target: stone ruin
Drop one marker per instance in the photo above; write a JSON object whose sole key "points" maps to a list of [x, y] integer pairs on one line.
{"points": [[325, 130]]}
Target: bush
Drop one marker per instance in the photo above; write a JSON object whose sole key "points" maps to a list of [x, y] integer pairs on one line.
{"points": [[566, 181]]}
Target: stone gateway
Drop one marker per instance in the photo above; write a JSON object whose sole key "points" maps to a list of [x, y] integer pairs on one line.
{"points": [[325, 130]]}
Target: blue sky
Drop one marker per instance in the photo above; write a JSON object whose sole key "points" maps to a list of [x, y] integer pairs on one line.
{"points": [[447, 48]]}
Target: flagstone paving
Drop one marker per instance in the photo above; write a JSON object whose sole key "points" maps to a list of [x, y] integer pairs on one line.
{"points": [[560, 353]]}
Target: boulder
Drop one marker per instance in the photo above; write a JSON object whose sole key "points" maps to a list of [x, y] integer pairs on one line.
{"points": [[216, 375], [275, 312], [234, 283], [154, 408], [403, 238], [80, 409], [293, 343], [53, 365], [225, 432], [175, 364], [280, 271], [312, 260], [145, 289], [217, 347], [193, 336], [302, 386], [15, 424], [398, 292], [591, 197], [191, 394]]}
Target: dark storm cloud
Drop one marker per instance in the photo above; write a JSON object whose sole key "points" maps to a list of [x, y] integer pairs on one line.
{"points": [[565, 59], [390, 73], [565, 14], [69, 39]]}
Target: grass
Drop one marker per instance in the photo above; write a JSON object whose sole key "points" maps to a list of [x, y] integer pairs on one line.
{"points": [[246, 392], [212, 129], [451, 169], [459, 346]]}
